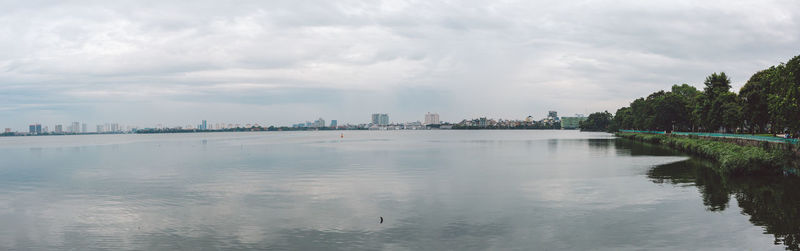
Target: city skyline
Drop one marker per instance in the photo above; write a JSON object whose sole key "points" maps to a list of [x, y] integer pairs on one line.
{"points": [[199, 122], [279, 62], [378, 119]]}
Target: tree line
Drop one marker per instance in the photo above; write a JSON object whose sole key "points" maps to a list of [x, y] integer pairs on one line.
{"points": [[768, 103]]}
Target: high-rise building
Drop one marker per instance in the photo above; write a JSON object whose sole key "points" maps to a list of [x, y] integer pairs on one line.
{"points": [[100, 129], [572, 122], [553, 115], [75, 128], [381, 119], [384, 119], [59, 129], [432, 119], [8, 130], [319, 123], [376, 117], [35, 128], [204, 126], [334, 123], [83, 128], [482, 122]]}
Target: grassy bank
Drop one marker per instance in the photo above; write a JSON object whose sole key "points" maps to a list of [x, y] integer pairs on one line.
{"points": [[733, 158]]}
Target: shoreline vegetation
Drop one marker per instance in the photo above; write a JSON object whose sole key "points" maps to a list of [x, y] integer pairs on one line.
{"points": [[768, 105], [735, 156]]}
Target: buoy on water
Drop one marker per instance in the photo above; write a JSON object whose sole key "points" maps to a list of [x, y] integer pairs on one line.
{"points": [[341, 136]]}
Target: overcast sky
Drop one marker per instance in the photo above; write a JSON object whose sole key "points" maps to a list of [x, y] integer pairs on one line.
{"points": [[283, 62]]}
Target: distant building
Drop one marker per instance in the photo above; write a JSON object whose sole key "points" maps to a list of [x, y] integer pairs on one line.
{"points": [[35, 129], [432, 119], [83, 128], [75, 127], [8, 130], [100, 129], [59, 129], [552, 115], [572, 122], [319, 123], [482, 122], [376, 118], [381, 119], [204, 126], [334, 123], [384, 120]]}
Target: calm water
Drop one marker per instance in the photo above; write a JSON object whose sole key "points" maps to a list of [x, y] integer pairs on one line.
{"points": [[436, 190]]}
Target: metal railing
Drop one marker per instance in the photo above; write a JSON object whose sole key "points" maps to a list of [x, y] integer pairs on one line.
{"points": [[650, 132], [723, 135]]}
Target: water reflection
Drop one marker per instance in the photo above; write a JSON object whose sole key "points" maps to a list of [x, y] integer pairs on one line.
{"points": [[443, 190], [770, 202]]}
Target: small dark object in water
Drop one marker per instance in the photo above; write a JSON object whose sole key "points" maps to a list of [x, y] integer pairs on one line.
{"points": [[381, 220]]}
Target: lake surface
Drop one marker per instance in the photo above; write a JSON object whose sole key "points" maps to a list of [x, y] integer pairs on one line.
{"points": [[436, 190]]}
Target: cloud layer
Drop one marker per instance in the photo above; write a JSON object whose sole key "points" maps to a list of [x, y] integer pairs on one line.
{"points": [[278, 62]]}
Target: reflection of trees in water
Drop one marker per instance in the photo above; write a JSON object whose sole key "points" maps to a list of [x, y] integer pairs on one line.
{"points": [[715, 194], [774, 203], [771, 202], [635, 148]]}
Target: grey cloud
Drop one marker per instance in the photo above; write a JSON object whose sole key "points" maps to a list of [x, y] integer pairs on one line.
{"points": [[470, 58]]}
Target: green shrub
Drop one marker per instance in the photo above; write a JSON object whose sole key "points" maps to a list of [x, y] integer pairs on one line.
{"points": [[732, 158]]}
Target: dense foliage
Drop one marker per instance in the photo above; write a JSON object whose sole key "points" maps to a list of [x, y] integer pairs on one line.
{"points": [[768, 102], [598, 121], [733, 158]]}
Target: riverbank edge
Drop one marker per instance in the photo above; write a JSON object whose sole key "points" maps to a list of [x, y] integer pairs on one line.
{"points": [[734, 158]]}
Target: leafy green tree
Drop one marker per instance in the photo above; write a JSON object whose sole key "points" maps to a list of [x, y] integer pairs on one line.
{"points": [[769, 101], [642, 114], [709, 106], [598, 121], [731, 111], [783, 102], [623, 119], [685, 90], [753, 96], [690, 95], [672, 112], [717, 84]]}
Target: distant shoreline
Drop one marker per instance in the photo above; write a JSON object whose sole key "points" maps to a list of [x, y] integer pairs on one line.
{"points": [[289, 130]]}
